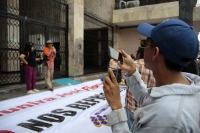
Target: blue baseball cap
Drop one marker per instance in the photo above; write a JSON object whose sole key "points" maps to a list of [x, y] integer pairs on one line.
{"points": [[176, 40]]}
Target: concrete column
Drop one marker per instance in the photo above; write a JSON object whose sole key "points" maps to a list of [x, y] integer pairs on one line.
{"points": [[75, 36]]}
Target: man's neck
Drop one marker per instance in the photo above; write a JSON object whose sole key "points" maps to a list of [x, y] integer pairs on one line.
{"points": [[167, 77]]}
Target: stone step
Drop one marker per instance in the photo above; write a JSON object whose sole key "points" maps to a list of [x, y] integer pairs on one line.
{"points": [[41, 86]]}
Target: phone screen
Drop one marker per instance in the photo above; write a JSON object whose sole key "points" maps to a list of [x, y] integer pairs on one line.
{"points": [[114, 54], [120, 57]]}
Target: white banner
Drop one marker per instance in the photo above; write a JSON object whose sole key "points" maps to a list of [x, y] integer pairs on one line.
{"points": [[80, 108]]}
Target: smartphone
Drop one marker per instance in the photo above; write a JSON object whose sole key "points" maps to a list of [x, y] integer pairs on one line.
{"points": [[114, 54], [117, 73]]}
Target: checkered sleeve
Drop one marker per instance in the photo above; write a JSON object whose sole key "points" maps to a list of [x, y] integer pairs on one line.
{"points": [[130, 101], [148, 79]]}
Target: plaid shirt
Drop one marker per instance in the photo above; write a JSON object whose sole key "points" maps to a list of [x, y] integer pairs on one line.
{"points": [[147, 77]]}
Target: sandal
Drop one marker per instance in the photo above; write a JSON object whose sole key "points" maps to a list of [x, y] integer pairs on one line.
{"points": [[51, 89]]}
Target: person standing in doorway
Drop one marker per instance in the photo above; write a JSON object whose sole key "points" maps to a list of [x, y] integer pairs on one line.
{"points": [[28, 57], [48, 67]]}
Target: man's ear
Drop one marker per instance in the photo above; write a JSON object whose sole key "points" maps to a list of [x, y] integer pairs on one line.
{"points": [[156, 53]]}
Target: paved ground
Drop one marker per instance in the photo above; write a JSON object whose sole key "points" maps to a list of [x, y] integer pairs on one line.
{"points": [[17, 90]]}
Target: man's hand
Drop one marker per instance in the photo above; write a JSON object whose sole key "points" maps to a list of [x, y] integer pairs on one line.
{"points": [[112, 91], [53, 49], [128, 63]]}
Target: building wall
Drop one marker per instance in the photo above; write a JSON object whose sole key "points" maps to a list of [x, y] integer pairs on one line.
{"points": [[75, 37], [196, 25], [196, 19], [10, 34], [98, 15], [128, 37], [101, 8], [196, 14], [149, 13], [129, 40]]}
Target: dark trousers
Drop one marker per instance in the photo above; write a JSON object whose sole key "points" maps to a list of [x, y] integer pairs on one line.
{"points": [[30, 77]]}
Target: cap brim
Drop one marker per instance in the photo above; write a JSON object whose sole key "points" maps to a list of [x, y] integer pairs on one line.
{"points": [[145, 29]]}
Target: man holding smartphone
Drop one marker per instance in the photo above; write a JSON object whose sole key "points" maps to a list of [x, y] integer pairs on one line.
{"points": [[174, 101], [48, 67], [147, 76]]}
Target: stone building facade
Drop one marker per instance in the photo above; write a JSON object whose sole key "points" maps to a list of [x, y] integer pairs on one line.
{"points": [[67, 23]]}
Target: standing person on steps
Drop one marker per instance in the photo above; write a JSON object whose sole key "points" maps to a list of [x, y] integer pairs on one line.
{"points": [[28, 57], [48, 67]]}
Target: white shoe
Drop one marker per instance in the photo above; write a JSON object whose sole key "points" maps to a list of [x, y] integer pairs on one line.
{"points": [[36, 90], [30, 92]]}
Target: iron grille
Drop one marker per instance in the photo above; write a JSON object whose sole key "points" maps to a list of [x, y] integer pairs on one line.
{"points": [[49, 11], [9, 50], [98, 34], [25, 21], [36, 34], [58, 37]]}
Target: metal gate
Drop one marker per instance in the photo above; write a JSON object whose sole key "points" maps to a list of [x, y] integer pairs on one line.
{"points": [[98, 34], [33, 21]]}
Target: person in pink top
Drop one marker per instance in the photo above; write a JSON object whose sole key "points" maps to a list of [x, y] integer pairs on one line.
{"points": [[28, 57]]}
